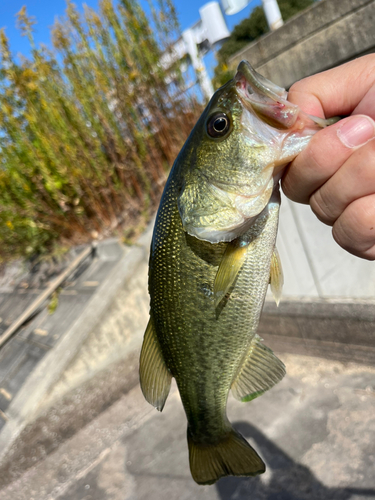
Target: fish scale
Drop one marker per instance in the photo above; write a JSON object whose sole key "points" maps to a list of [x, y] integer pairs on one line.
{"points": [[213, 343]]}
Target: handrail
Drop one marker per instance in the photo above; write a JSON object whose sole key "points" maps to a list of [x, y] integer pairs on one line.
{"points": [[44, 295]]}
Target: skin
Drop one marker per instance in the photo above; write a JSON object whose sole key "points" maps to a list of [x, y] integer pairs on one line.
{"points": [[333, 175]]}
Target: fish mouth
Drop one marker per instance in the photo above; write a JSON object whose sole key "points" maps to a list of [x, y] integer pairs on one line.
{"points": [[249, 79], [263, 97]]}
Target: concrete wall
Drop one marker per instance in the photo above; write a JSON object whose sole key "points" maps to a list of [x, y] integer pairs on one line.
{"points": [[314, 265], [327, 34], [106, 331]]}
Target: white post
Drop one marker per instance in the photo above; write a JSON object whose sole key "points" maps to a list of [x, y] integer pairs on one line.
{"points": [[198, 65], [273, 14]]}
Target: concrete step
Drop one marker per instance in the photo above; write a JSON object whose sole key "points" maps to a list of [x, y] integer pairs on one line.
{"points": [[54, 353]]}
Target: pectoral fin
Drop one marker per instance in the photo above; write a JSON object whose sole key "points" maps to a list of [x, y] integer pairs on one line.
{"points": [[260, 371], [276, 276], [230, 265], [154, 375]]}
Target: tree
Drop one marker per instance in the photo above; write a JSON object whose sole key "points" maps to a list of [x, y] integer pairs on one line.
{"points": [[249, 30]]}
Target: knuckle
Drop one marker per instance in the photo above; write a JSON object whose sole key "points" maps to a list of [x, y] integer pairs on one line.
{"points": [[354, 230], [317, 160], [368, 69], [302, 86], [291, 185], [297, 87], [322, 207]]}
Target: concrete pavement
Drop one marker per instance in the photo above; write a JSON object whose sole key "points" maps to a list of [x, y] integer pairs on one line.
{"points": [[315, 430], [93, 326]]}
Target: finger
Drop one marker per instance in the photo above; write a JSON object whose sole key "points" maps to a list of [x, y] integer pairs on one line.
{"points": [[337, 91], [327, 151], [355, 179], [354, 230], [367, 105]]}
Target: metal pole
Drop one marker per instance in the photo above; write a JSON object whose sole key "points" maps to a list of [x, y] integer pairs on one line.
{"points": [[273, 14], [198, 65]]}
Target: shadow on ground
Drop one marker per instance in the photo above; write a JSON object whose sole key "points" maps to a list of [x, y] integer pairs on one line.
{"points": [[289, 479]]}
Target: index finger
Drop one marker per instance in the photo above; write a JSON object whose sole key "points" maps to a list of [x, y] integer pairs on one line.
{"points": [[337, 91]]}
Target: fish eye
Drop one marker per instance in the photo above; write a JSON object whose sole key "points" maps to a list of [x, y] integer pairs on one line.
{"points": [[218, 125]]}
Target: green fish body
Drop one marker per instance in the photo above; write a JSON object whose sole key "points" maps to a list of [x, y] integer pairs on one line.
{"points": [[212, 257]]}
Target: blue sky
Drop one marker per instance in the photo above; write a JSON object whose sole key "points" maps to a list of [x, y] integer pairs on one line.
{"points": [[46, 11]]}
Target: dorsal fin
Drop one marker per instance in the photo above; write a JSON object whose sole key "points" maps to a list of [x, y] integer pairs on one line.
{"points": [[154, 375], [276, 276], [260, 371]]}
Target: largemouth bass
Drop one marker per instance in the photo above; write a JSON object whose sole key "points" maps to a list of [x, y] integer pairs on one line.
{"points": [[212, 258]]}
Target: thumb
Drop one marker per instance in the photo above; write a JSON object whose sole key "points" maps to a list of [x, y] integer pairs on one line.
{"points": [[327, 151]]}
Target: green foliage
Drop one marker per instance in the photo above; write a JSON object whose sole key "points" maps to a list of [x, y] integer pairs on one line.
{"points": [[53, 301], [245, 32], [290, 8], [249, 30], [88, 129]]}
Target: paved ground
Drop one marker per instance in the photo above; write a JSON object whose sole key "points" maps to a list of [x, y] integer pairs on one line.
{"points": [[25, 350], [315, 431]]}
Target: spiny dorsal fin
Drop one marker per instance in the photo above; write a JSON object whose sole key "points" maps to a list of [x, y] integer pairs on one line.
{"points": [[154, 375], [260, 371], [230, 265], [276, 276]]}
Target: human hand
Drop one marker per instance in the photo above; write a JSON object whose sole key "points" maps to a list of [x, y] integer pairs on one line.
{"points": [[335, 174]]}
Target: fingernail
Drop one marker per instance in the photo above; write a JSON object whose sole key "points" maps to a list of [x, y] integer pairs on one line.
{"points": [[356, 131]]}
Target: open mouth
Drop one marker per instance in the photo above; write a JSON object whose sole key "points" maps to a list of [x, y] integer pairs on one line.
{"points": [[267, 100], [247, 77]]}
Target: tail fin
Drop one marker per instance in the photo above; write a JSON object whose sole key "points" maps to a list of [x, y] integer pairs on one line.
{"points": [[232, 456]]}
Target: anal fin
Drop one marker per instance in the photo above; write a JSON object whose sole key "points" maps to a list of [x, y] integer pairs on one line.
{"points": [[155, 378], [260, 371], [230, 265]]}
